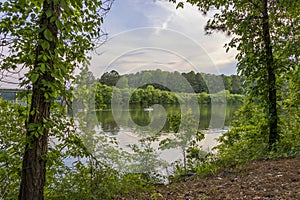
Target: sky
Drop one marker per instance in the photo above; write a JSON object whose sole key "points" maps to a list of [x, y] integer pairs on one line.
{"points": [[152, 34]]}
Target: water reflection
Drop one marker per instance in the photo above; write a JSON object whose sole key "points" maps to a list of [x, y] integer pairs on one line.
{"points": [[125, 126], [142, 117]]}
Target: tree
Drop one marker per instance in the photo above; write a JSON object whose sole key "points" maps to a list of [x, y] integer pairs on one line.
{"points": [[227, 82], [50, 39], [146, 78], [262, 32], [110, 78], [191, 78], [202, 85], [185, 135], [123, 82]]}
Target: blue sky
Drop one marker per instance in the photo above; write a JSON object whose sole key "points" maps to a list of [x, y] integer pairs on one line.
{"points": [[149, 34]]}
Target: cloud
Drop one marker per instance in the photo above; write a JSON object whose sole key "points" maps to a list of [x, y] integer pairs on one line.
{"points": [[154, 34]]}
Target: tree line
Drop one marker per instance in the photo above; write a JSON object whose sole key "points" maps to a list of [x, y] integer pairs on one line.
{"points": [[176, 81], [150, 95]]}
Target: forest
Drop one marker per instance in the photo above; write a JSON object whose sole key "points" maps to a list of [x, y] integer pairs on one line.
{"points": [[159, 79], [141, 89], [50, 147]]}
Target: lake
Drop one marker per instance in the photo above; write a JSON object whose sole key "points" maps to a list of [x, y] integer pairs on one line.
{"points": [[115, 123], [128, 125]]}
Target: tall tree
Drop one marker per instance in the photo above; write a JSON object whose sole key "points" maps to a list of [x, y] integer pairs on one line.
{"points": [[260, 28], [110, 78], [49, 39]]}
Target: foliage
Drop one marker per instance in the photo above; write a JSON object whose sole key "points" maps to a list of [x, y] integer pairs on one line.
{"points": [[49, 39], [103, 96], [185, 135], [149, 96], [160, 79], [75, 38], [12, 140], [98, 169], [146, 159], [264, 40], [268, 61], [247, 141], [289, 145], [51, 42], [72, 170], [110, 78], [95, 181]]}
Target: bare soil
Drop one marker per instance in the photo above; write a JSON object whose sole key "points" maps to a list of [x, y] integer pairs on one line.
{"points": [[267, 179]]}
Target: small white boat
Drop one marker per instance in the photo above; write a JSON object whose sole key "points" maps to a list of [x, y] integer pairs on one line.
{"points": [[148, 109]]}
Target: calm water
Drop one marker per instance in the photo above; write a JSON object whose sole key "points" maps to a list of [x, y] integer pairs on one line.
{"points": [[114, 122], [129, 125]]}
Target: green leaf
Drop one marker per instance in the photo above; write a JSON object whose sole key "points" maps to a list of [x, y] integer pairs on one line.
{"points": [[36, 134], [64, 5], [48, 35], [52, 19], [34, 77], [58, 24], [2, 156], [45, 44], [49, 13], [43, 67]]}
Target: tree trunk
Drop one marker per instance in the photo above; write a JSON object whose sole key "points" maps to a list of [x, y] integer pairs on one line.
{"points": [[273, 118], [184, 160], [34, 161]]}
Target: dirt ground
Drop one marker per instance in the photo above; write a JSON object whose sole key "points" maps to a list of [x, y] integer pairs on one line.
{"points": [[268, 179]]}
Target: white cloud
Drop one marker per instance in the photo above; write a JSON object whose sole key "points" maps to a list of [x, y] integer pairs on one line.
{"points": [[171, 36]]}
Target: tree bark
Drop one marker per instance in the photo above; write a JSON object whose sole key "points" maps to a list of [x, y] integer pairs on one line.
{"points": [[34, 162], [272, 93]]}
